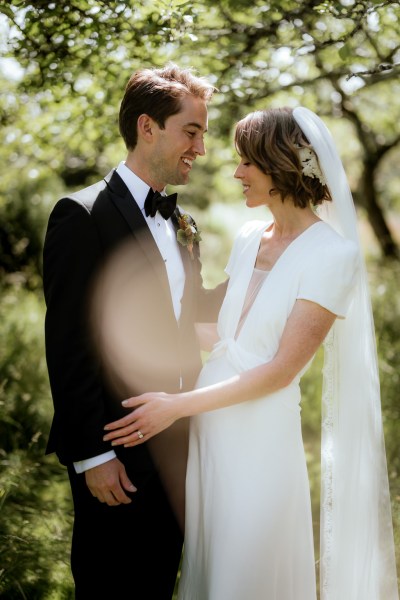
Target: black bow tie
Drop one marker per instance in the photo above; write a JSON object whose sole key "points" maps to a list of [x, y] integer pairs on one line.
{"points": [[165, 205]]}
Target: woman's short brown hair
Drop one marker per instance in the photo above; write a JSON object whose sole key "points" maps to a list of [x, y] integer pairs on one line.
{"points": [[158, 93], [270, 139]]}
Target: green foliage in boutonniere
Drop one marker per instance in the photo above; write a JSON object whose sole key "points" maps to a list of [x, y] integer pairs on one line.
{"points": [[187, 234]]}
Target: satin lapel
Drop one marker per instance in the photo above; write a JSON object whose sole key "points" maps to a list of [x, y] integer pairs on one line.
{"points": [[186, 260], [126, 205]]}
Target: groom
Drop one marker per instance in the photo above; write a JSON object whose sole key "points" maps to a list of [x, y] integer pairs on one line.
{"points": [[122, 297]]}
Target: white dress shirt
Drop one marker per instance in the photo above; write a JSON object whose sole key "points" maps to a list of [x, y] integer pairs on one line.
{"points": [[164, 235]]}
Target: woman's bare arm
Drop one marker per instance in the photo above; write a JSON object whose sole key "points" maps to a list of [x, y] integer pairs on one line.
{"points": [[305, 330]]}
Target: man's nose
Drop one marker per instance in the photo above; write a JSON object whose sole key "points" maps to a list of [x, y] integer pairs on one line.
{"points": [[199, 147]]}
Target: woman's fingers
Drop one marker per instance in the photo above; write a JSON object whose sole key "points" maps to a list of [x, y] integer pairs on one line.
{"points": [[121, 432], [133, 437], [142, 423], [134, 401], [124, 422], [136, 440]]}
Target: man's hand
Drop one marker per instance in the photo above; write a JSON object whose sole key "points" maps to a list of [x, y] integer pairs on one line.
{"points": [[108, 481]]}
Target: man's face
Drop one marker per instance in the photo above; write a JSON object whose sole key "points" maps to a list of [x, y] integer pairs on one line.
{"points": [[177, 145]]}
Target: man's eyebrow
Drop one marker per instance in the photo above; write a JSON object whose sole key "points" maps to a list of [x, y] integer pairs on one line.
{"points": [[197, 125]]}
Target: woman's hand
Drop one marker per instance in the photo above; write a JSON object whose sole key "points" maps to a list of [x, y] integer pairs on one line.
{"points": [[153, 412]]}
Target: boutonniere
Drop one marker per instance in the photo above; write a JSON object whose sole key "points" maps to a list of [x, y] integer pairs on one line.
{"points": [[188, 234]]}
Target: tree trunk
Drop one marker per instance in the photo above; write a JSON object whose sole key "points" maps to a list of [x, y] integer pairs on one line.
{"points": [[375, 213]]}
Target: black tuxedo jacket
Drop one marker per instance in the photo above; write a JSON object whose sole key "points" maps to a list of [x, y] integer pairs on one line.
{"points": [[98, 245]]}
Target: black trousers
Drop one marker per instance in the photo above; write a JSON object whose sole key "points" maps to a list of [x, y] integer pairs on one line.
{"points": [[128, 551]]}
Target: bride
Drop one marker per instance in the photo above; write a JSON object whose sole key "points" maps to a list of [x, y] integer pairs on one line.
{"points": [[294, 283]]}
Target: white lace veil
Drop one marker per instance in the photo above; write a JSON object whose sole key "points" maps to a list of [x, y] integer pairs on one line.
{"points": [[357, 550]]}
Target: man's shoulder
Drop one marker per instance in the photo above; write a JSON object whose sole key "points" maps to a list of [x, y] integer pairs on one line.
{"points": [[97, 195], [88, 196]]}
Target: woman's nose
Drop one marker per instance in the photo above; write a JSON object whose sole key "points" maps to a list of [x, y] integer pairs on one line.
{"points": [[238, 172]]}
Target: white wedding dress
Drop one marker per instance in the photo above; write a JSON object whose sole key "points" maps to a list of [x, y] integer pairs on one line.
{"points": [[248, 512]]}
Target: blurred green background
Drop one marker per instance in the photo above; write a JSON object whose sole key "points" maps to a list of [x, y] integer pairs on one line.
{"points": [[63, 68]]}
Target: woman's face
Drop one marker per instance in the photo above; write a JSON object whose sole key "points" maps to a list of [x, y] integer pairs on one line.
{"points": [[257, 186]]}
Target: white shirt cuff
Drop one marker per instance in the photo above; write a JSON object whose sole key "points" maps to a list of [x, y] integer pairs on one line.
{"points": [[84, 465]]}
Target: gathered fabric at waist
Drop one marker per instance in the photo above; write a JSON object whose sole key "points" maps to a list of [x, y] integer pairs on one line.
{"points": [[229, 358], [240, 358]]}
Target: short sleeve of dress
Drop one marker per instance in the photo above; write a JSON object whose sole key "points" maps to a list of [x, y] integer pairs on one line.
{"points": [[330, 277], [245, 235]]}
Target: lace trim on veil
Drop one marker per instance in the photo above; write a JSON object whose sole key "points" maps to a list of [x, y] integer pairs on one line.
{"points": [[327, 445]]}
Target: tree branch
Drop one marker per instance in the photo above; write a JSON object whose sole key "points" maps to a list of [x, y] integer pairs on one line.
{"points": [[381, 68]]}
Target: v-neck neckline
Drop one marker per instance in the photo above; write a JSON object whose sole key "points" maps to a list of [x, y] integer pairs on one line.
{"points": [[270, 272], [287, 247]]}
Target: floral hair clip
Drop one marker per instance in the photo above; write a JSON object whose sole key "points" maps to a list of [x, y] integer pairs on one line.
{"points": [[188, 234], [309, 163]]}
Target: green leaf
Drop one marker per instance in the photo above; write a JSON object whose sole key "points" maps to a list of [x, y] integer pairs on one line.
{"points": [[181, 237], [345, 52]]}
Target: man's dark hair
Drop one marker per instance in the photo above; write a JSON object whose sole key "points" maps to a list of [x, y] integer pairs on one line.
{"points": [[158, 94]]}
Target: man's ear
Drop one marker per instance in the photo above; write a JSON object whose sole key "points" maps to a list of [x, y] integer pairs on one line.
{"points": [[145, 127]]}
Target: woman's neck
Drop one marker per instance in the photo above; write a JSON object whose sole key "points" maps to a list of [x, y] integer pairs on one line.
{"points": [[291, 221]]}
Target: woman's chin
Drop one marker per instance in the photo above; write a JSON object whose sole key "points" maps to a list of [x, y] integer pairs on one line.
{"points": [[252, 203]]}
